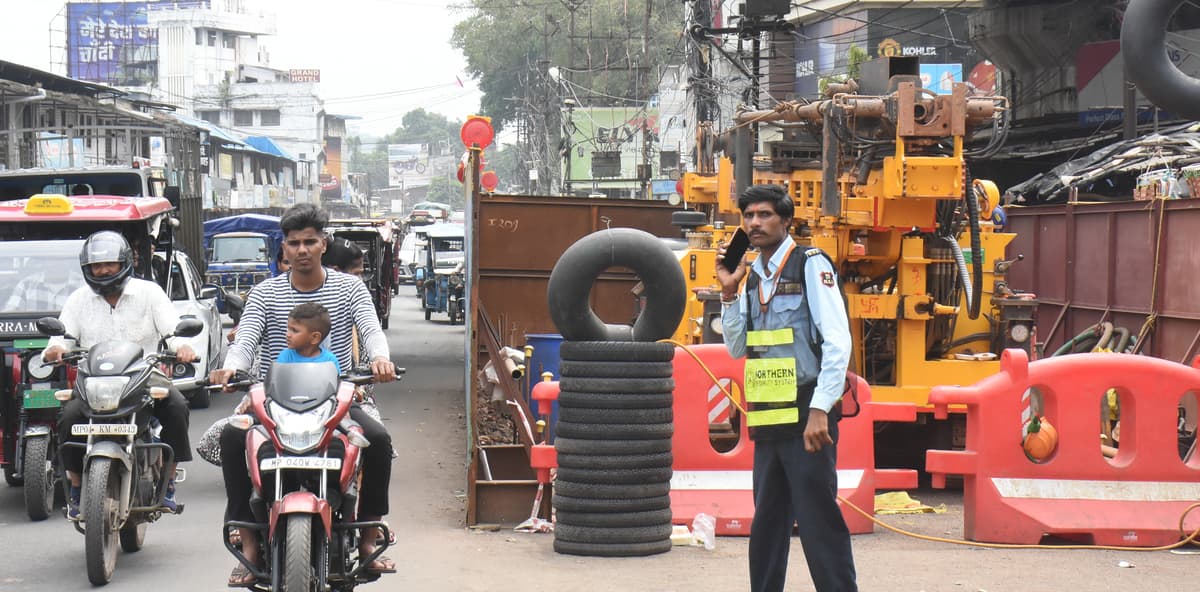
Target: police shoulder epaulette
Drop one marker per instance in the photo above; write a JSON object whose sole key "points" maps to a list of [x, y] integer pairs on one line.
{"points": [[812, 252]]}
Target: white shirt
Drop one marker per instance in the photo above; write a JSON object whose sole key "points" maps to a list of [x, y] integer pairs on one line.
{"points": [[143, 314]]}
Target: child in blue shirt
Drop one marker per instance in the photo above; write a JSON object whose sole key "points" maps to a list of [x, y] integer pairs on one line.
{"points": [[308, 324]]}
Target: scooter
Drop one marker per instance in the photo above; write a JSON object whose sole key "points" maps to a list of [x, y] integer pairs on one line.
{"points": [[124, 478], [303, 455], [37, 434]]}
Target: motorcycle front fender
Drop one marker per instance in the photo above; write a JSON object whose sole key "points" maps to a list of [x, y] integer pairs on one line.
{"points": [[109, 449], [301, 502]]}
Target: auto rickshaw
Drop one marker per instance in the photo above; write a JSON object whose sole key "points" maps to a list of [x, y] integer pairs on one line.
{"points": [[441, 282], [376, 238]]}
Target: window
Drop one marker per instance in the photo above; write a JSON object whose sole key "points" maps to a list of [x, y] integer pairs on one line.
{"points": [[243, 117], [228, 41], [213, 117], [212, 38], [269, 117], [199, 36]]}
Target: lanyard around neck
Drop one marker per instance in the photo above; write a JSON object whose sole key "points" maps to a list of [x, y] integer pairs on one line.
{"points": [[764, 301]]}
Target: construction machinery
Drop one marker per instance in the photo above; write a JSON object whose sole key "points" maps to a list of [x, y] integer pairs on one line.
{"points": [[878, 171]]}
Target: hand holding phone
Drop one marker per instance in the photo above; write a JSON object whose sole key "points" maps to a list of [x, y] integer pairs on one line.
{"points": [[735, 250]]}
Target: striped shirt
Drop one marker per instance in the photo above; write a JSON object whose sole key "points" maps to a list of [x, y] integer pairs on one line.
{"points": [[263, 327]]}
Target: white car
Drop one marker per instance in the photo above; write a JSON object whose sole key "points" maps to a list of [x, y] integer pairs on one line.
{"points": [[411, 256], [194, 298]]}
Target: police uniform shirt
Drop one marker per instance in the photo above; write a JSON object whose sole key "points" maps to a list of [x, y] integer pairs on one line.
{"points": [[823, 320]]}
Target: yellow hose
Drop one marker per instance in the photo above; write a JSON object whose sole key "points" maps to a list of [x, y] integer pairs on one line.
{"points": [[704, 367], [1190, 538]]}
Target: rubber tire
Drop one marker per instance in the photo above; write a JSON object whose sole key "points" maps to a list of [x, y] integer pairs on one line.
{"points": [[297, 573], [100, 542], [615, 416], [383, 323], [615, 401], [569, 290], [615, 431], [609, 491], [133, 537], [576, 369], [39, 484], [611, 447], [645, 533], [200, 398], [618, 385], [615, 351], [612, 550], [613, 519], [616, 476], [624, 461], [428, 313], [566, 503]]}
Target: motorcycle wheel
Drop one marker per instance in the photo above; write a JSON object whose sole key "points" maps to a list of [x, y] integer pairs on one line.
{"points": [[298, 573], [39, 478], [428, 313], [133, 537], [100, 507]]}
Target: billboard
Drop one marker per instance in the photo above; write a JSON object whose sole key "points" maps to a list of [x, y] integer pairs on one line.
{"points": [[938, 37], [111, 43], [408, 165], [613, 131]]}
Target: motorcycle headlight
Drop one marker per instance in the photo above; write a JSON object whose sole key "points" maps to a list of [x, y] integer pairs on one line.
{"points": [[103, 393], [300, 432]]}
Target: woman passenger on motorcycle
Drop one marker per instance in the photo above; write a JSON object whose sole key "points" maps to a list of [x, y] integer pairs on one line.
{"points": [[264, 323], [116, 306], [344, 256]]}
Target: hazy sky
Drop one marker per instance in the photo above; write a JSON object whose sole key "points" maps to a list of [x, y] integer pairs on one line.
{"points": [[362, 47]]}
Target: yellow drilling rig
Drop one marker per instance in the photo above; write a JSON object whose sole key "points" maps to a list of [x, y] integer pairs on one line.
{"points": [[878, 173]]}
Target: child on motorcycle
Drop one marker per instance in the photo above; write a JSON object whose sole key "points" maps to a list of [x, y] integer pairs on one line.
{"points": [[308, 324]]}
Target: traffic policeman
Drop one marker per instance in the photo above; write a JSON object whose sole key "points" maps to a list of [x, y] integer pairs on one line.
{"points": [[790, 322]]}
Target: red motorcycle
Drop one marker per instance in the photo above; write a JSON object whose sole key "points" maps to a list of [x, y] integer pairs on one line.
{"points": [[303, 454]]}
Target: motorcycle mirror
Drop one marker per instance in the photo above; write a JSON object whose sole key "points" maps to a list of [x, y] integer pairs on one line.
{"points": [[51, 326], [189, 327], [234, 305]]}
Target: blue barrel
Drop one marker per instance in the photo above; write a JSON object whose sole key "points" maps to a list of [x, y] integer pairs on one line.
{"points": [[544, 359]]}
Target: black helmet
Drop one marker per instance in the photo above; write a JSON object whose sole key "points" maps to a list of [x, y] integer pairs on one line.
{"points": [[106, 247]]}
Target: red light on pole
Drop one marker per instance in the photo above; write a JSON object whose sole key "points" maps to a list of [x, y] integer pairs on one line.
{"points": [[477, 131], [489, 181]]}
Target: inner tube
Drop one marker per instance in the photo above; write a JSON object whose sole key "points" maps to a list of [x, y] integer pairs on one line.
{"points": [[569, 290], [1144, 43]]}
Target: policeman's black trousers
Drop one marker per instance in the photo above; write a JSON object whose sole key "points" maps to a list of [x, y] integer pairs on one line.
{"points": [[376, 459], [792, 486], [172, 412]]}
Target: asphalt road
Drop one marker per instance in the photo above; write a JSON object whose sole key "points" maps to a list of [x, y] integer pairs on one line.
{"points": [[183, 553]]}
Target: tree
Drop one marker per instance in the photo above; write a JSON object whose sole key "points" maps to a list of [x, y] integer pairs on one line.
{"points": [[416, 127], [612, 54]]}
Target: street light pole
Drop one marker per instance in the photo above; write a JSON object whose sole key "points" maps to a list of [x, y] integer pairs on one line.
{"points": [[569, 132]]}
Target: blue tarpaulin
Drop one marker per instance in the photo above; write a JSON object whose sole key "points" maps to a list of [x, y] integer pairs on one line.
{"points": [[268, 225], [265, 144]]}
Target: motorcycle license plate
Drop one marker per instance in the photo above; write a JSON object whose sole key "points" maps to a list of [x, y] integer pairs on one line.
{"points": [[103, 429], [301, 462]]}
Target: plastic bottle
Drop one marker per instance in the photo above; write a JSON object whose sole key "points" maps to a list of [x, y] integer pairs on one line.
{"points": [[704, 530]]}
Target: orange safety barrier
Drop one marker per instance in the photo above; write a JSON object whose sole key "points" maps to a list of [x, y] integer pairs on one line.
{"points": [[1136, 498], [719, 483]]}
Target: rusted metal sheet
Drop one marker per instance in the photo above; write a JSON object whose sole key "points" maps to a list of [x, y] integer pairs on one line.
{"points": [[522, 237], [1131, 263]]}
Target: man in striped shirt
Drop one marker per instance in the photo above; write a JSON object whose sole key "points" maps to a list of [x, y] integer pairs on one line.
{"points": [[263, 328]]}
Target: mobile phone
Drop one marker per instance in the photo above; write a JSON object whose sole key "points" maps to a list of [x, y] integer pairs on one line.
{"points": [[736, 250]]}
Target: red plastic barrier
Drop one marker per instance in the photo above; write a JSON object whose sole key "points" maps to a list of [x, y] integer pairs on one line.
{"points": [[719, 484], [1134, 499]]}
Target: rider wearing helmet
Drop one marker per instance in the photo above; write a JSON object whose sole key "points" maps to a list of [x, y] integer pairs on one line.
{"points": [[116, 306]]}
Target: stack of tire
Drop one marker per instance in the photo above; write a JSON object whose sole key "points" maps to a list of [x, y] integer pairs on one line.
{"points": [[613, 439], [615, 420]]}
